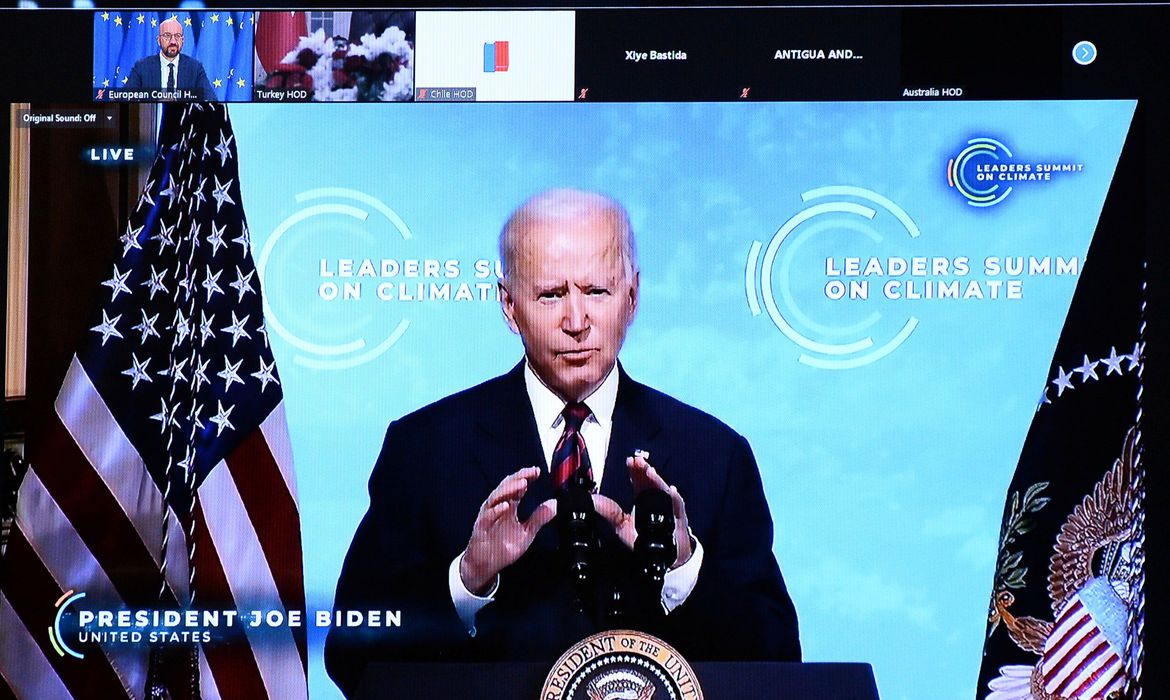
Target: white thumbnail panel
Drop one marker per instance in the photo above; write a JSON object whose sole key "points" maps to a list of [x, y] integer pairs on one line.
{"points": [[506, 56]]}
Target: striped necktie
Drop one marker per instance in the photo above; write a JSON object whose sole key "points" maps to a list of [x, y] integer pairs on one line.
{"points": [[570, 461]]}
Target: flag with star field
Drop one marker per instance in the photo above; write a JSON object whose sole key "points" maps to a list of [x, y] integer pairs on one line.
{"points": [[166, 479], [1067, 606]]}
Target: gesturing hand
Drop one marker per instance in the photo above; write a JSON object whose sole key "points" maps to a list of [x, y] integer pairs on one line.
{"points": [[643, 476], [498, 538]]}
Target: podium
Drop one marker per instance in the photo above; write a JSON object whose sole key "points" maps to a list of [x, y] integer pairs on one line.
{"points": [[523, 681]]}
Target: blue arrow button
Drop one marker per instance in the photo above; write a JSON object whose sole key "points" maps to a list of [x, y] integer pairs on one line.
{"points": [[1084, 53]]}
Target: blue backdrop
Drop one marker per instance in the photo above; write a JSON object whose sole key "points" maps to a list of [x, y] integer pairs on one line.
{"points": [[885, 475], [221, 41]]}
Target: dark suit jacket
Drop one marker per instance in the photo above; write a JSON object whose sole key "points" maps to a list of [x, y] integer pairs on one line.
{"points": [[439, 464], [146, 76]]}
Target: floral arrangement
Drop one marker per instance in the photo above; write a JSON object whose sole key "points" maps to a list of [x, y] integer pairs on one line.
{"points": [[375, 69]]}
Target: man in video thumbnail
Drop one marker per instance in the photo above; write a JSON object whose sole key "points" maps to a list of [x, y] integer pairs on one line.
{"points": [[170, 69], [455, 537]]}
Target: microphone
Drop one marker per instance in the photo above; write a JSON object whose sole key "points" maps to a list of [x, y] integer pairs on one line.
{"points": [[654, 549], [578, 538]]}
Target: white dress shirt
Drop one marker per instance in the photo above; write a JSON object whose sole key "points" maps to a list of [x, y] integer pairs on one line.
{"points": [[163, 63], [547, 408]]}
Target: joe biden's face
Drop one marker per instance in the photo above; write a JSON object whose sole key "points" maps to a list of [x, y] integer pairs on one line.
{"points": [[571, 299]]}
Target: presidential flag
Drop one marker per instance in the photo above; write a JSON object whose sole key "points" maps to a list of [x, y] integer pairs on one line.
{"points": [[165, 478], [1067, 608]]}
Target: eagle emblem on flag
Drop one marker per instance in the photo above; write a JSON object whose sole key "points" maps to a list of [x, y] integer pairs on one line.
{"points": [[1091, 585]]}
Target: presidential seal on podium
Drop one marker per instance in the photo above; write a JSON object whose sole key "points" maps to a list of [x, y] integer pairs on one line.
{"points": [[621, 665]]}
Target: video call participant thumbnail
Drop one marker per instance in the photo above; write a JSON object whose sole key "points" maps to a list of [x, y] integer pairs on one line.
{"points": [[455, 537], [170, 69]]}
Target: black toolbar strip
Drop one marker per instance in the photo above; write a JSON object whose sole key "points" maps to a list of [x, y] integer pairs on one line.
{"points": [[640, 55]]}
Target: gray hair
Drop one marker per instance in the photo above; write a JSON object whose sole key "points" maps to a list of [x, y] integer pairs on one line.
{"points": [[566, 205]]}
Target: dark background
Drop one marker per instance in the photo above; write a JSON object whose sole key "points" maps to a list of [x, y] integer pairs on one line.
{"points": [[992, 53]]}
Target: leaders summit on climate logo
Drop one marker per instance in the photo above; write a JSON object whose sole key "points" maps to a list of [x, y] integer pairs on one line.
{"points": [[985, 171]]}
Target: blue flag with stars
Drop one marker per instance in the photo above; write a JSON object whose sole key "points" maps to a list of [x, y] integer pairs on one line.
{"points": [[108, 30], [214, 48], [243, 52], [139, 41]]}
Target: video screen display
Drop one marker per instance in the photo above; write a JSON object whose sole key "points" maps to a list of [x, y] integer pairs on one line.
{"points": [[157, 56], [348, 56], [577, 383]]}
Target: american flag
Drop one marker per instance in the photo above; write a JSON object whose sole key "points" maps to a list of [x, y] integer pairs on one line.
{"points": [[165, 478]]}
